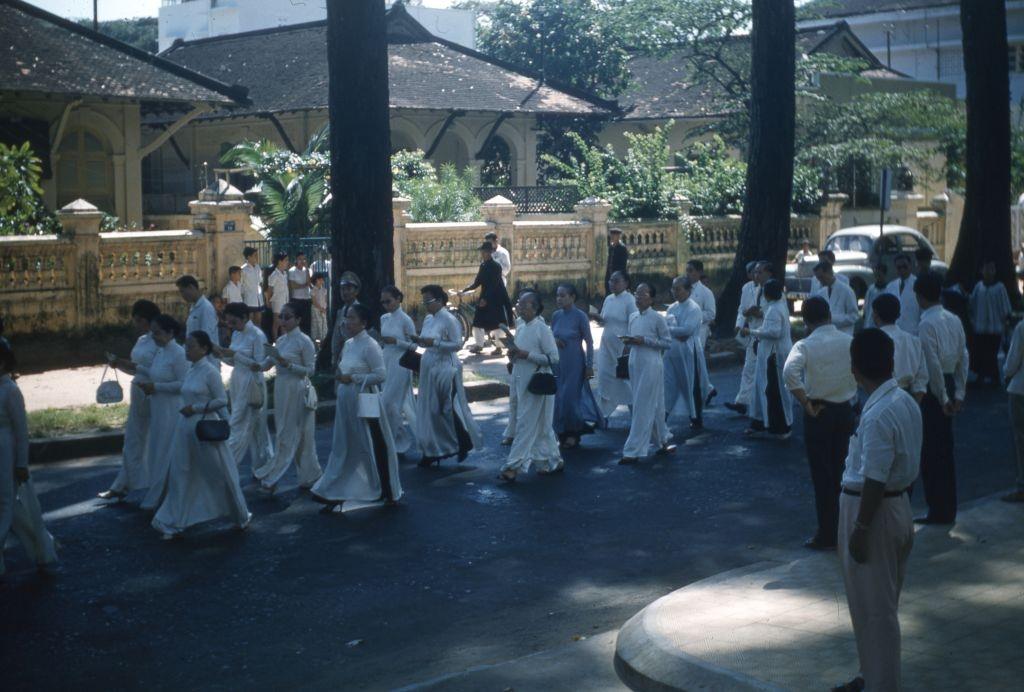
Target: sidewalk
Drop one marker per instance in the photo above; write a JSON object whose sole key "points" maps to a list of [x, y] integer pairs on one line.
{"points": [[785, 625]]}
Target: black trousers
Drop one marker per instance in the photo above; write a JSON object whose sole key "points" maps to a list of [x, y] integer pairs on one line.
{"points": [[938, 473], [776, 414], [827, 438], [697, 416], [985, 356], [305, 314]]}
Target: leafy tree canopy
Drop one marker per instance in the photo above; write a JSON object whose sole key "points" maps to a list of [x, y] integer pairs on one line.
{"points": [[140, 32]]}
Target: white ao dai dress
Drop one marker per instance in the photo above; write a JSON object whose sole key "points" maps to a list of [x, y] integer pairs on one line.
{"points": [[166, 373], [615, 313], [647, 381], [360, 444], [685, 365], [442, 407], [397, 397], [134, 473], [774, 338], [535, 442], [295, 424], [249, 431], [202, 481]]}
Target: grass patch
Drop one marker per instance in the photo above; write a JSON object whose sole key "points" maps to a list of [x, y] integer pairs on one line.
{"points": [[53, 422]]}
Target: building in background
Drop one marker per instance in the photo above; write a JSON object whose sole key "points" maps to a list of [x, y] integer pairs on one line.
{"points": [[920, 38], [190, 20]]}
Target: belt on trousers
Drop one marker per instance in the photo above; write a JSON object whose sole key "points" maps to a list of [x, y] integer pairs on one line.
{"points": [[822, 402], [888, 493]]}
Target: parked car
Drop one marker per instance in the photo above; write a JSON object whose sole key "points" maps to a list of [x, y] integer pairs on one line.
{"points": [[858, 249]]}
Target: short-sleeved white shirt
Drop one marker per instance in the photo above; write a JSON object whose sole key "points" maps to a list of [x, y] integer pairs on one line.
{"points": [[887, 444]]}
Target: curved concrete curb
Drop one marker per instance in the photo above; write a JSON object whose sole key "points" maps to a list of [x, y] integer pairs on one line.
{"points": [[647, 659]]}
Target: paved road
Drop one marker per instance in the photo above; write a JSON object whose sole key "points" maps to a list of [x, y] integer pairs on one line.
{"points": [[463, 573]]}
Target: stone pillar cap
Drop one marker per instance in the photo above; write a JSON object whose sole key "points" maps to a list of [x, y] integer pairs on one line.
{"points": [[80, 207], [498, 200], [219, 191]]}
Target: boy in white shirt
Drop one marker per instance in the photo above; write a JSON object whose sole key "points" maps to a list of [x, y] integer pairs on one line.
{"points": [[232, 292]]}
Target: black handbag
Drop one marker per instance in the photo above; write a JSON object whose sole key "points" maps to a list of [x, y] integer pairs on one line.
{"points": [[542, 383], [213, 430], [410, 360], [622, 367]]}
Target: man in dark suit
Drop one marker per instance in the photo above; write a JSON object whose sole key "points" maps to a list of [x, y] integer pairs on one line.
{"points": [[618, 255], [494, 307]]}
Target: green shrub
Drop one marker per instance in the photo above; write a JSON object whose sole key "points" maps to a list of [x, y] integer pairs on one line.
{"points": [[434, 196], [22, 211]]}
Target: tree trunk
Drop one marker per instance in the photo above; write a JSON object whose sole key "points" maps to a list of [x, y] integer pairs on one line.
{"points": [[985, 229], [362, 228], [764, 230]]}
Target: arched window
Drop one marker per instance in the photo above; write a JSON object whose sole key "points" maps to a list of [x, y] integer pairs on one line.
{"points": [[86, 170], [496, 169]]}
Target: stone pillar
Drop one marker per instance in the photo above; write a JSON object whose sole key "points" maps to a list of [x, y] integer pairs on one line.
{"points": [[683, 204], [81, 222], [500, 214], [400, 212], [223, 214], [903, 208], [594, 211], [831, 217]]}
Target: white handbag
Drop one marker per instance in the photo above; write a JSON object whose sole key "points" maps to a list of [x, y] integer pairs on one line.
{"points": [[311, 398], [109, 391], [369, 404]]}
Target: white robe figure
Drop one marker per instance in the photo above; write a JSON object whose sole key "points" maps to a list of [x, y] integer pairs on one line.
{"points": [[647, 380], [202, 484], [773, 337], [535, 442], [134, 473], [685, 360], [166, 373], [442, 399], [704, 297], [19, 507], [249, 432], [202, 317], [351, 472], [615, 313], [910, 312], [396, 396], [294, 423], [750, 296]]}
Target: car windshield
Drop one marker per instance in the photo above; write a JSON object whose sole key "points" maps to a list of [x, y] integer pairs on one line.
{"points": [[849, 243]]}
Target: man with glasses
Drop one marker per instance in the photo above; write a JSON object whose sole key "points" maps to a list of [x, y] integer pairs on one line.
{"points": [[903, 288]]}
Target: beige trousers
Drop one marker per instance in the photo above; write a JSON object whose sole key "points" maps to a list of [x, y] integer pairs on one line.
{"points": [[873, 588]]}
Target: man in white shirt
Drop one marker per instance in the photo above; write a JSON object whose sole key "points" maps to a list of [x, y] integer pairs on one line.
{"points": [[817, 372], [989, 310], [748, 315], [202, 316], [705, 299], [252, 280], [300, 288], [804, 253], [876, 532], [830, 257], [232, 292], [909, 370], [277, 290], [1013, 374], [903, 288], [500, 255], [841, 299], [874, 290], [945, 354]]}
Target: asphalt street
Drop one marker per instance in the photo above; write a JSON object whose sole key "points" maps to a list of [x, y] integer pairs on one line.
{"points": [[463, 573]]}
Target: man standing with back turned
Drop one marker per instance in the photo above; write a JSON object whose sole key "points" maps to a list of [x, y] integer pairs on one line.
{"points": [[876, 532]]}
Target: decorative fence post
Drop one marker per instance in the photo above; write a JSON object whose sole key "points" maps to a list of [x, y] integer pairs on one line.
{"points": [[81, 221], [223, 214], [594, 211], [831, 216], [682, 237], [903, 208], [500, 215], [400, 213]]}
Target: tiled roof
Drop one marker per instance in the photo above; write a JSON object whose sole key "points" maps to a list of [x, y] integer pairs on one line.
{"points": [[40, 52], [665, 87], [285, 69]]}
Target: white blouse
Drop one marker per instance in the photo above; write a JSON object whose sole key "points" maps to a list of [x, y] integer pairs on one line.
{"points": [[363, 359], [203, 389], [296, 348], [168, 369], [143, 353], [615, 312], [400, 326], [248, 347]]}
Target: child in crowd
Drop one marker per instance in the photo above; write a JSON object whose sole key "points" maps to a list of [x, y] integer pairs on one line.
{"points": [[232, 292], [318, 332], [223, 330]]}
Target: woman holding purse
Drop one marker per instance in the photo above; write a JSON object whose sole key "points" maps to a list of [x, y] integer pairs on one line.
{"points": [[134, 474], [397, 332], [363, 465], [247, 387], [294, 420], [533, 353], [202, 481], [163, 387]]}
